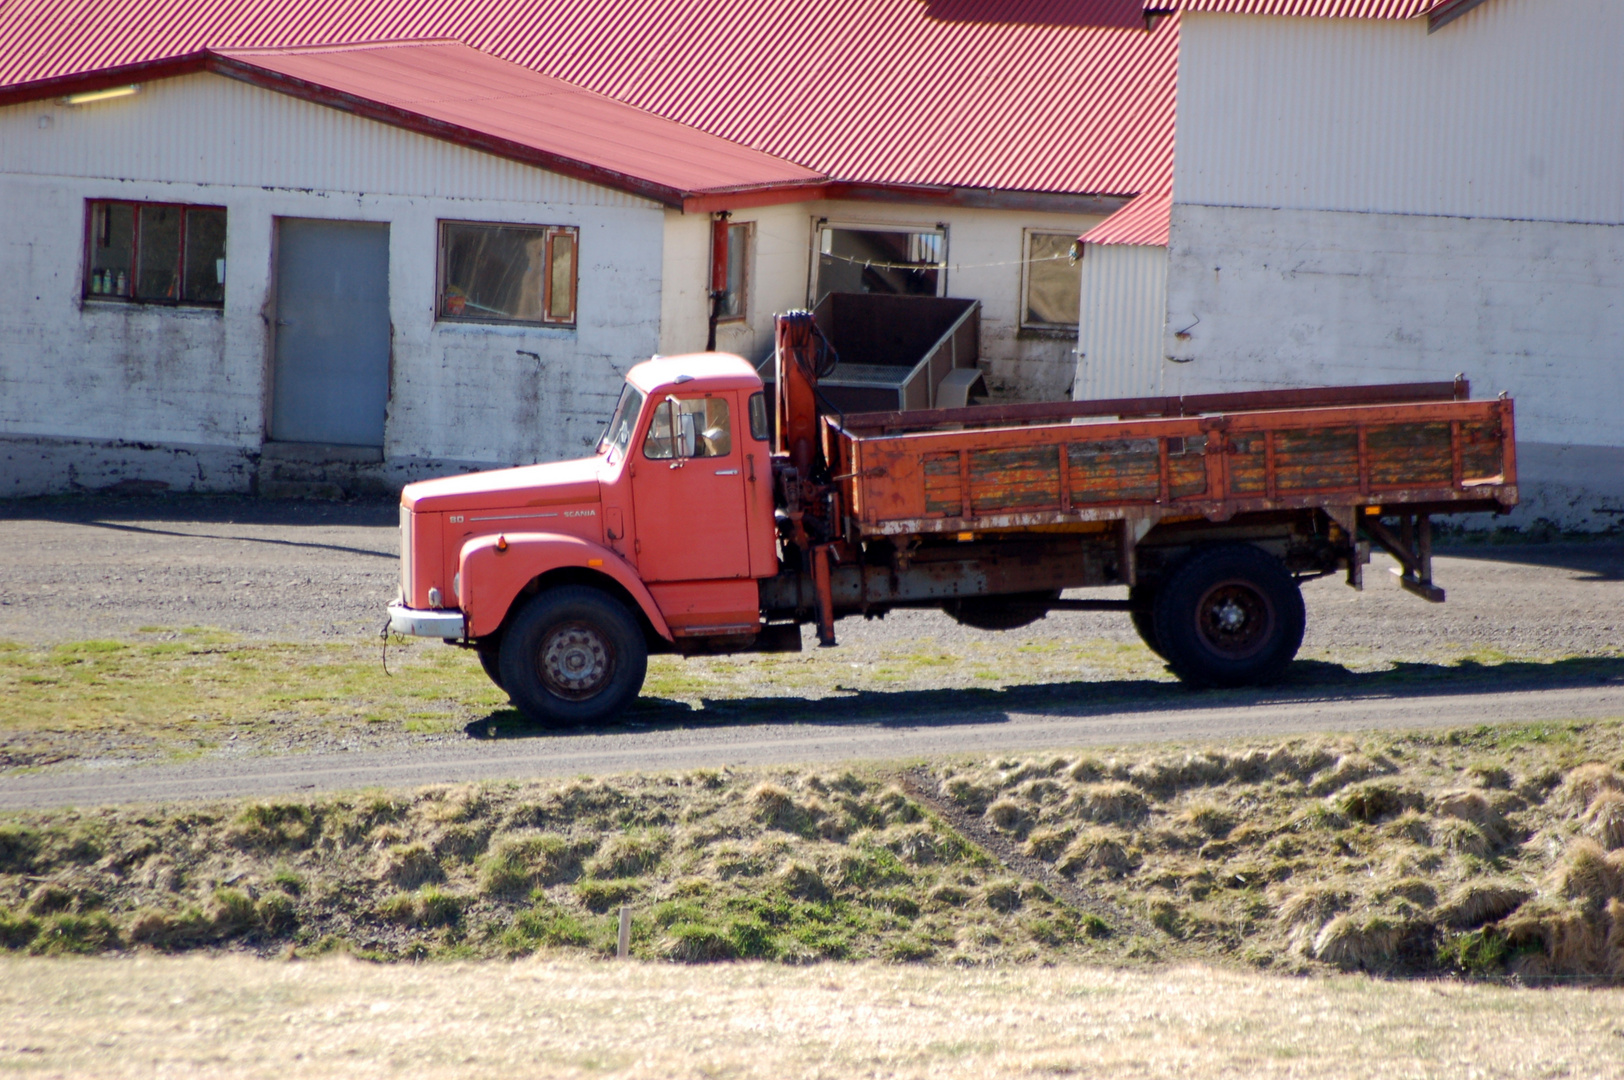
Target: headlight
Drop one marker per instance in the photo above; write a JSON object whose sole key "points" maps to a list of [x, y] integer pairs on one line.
{"points": [[405, 555]]}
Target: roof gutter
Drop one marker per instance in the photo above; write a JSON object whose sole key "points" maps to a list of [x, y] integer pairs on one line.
{"points": [[1447, 12], [1048, 202], [106, 79]]}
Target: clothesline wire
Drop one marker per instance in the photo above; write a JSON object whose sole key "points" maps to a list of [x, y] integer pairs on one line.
{"points": [[874, 265]]}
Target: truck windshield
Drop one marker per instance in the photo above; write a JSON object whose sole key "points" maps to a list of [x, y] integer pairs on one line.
{"points": [[618, 435]]}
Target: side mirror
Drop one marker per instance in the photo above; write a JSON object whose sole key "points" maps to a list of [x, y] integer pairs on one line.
{"points": [[684, 431]]}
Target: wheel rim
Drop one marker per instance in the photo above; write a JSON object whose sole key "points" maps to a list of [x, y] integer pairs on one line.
{"points": [[1235, 619], [576, 661]]}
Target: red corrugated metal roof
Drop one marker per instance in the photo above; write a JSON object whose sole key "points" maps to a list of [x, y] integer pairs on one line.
{"points": [[1065, 96], [481, 98], [1145, 220], [1328, 9]]}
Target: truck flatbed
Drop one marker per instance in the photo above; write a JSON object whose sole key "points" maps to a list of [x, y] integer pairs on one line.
{"points": [[995, 469]]}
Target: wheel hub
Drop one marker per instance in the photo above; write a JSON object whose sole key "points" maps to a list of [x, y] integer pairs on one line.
{"points": [[576, 661], [1235, 619]]}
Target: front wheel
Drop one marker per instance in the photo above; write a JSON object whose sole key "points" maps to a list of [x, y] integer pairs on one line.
{"points": [[1230, 616], [490, 659], [574, 655]]}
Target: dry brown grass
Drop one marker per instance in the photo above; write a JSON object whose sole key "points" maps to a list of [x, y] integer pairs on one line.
{"points": [[790, 865], [236, 1017], [1389, 854]]}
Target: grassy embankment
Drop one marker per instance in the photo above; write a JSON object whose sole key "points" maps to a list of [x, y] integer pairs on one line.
{"points": [[1489, 852]]}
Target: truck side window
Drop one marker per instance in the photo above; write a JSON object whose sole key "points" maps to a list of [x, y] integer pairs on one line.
{"points": [[702, 430], [758, 416]]}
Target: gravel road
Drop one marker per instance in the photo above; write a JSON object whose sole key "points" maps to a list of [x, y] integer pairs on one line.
{"points": [[916, 735], [297, 571], [293, 571]]}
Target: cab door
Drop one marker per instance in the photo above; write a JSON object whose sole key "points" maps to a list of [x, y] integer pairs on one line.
{"points": [[688, 491]]}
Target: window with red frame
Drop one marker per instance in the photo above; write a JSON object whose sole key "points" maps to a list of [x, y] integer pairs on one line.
{"points": [[730, 268], [155, 253], [508, 273]]}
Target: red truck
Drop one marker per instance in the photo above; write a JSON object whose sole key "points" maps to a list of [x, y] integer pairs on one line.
{"points": [[711, 520]]}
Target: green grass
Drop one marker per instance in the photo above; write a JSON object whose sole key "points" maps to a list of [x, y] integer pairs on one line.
{"points": [[175, 697]]}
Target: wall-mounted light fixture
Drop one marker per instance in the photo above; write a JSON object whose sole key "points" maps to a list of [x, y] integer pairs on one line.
{"points": [[92, 96]]}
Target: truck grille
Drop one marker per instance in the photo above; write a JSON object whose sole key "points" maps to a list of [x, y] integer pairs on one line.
{"points": [[405, 555]]}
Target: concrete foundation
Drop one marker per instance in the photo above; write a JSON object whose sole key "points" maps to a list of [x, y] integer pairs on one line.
{"points": [[40, 465]]}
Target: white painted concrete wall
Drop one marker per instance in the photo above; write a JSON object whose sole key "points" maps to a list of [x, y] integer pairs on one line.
{"points": [[1514, 110], [1123, 306], [1302, 297], [1270, 298], [193, 382], [984, 252], [1360, 201]]}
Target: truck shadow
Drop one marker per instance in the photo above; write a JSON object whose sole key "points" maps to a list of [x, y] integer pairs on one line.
{"points": [[1599, 559], [1306, 681]]}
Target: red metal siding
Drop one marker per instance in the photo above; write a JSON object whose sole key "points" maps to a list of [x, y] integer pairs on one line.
{"points": [[956, 93], [1145, 220]]}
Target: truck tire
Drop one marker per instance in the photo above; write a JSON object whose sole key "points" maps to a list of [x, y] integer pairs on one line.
{"points": [[489, 651], [1229, 616], [573, 655], [1143, 613], [1009, 611]]}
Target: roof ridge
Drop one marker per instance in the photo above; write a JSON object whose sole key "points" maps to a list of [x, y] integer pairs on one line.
{"points": [[338, 47]]}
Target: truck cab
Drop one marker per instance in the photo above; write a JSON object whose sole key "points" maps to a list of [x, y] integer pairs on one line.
{"points": [[564, 575]]}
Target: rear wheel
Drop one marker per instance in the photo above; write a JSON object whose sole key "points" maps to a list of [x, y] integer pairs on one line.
{"points": [[1009, 611], [1230, 616], [1142, 610], [574, 655]]}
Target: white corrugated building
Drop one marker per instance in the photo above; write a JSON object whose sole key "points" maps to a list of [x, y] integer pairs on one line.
{"points": [[264, 256], [1374, 191]]}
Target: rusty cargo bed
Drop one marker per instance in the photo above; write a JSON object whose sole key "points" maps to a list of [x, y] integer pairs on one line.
{"points": [[1422, 447]]}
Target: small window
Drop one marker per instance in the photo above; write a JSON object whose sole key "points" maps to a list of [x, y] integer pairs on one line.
{"points": [[758, 417], [731, 251], [155, 253], [508, 273], [1052, 282], [880, 261], [702, 430]]}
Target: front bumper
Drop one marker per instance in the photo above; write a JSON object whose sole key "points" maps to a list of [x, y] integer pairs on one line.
{"points": [[425, 622]]}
